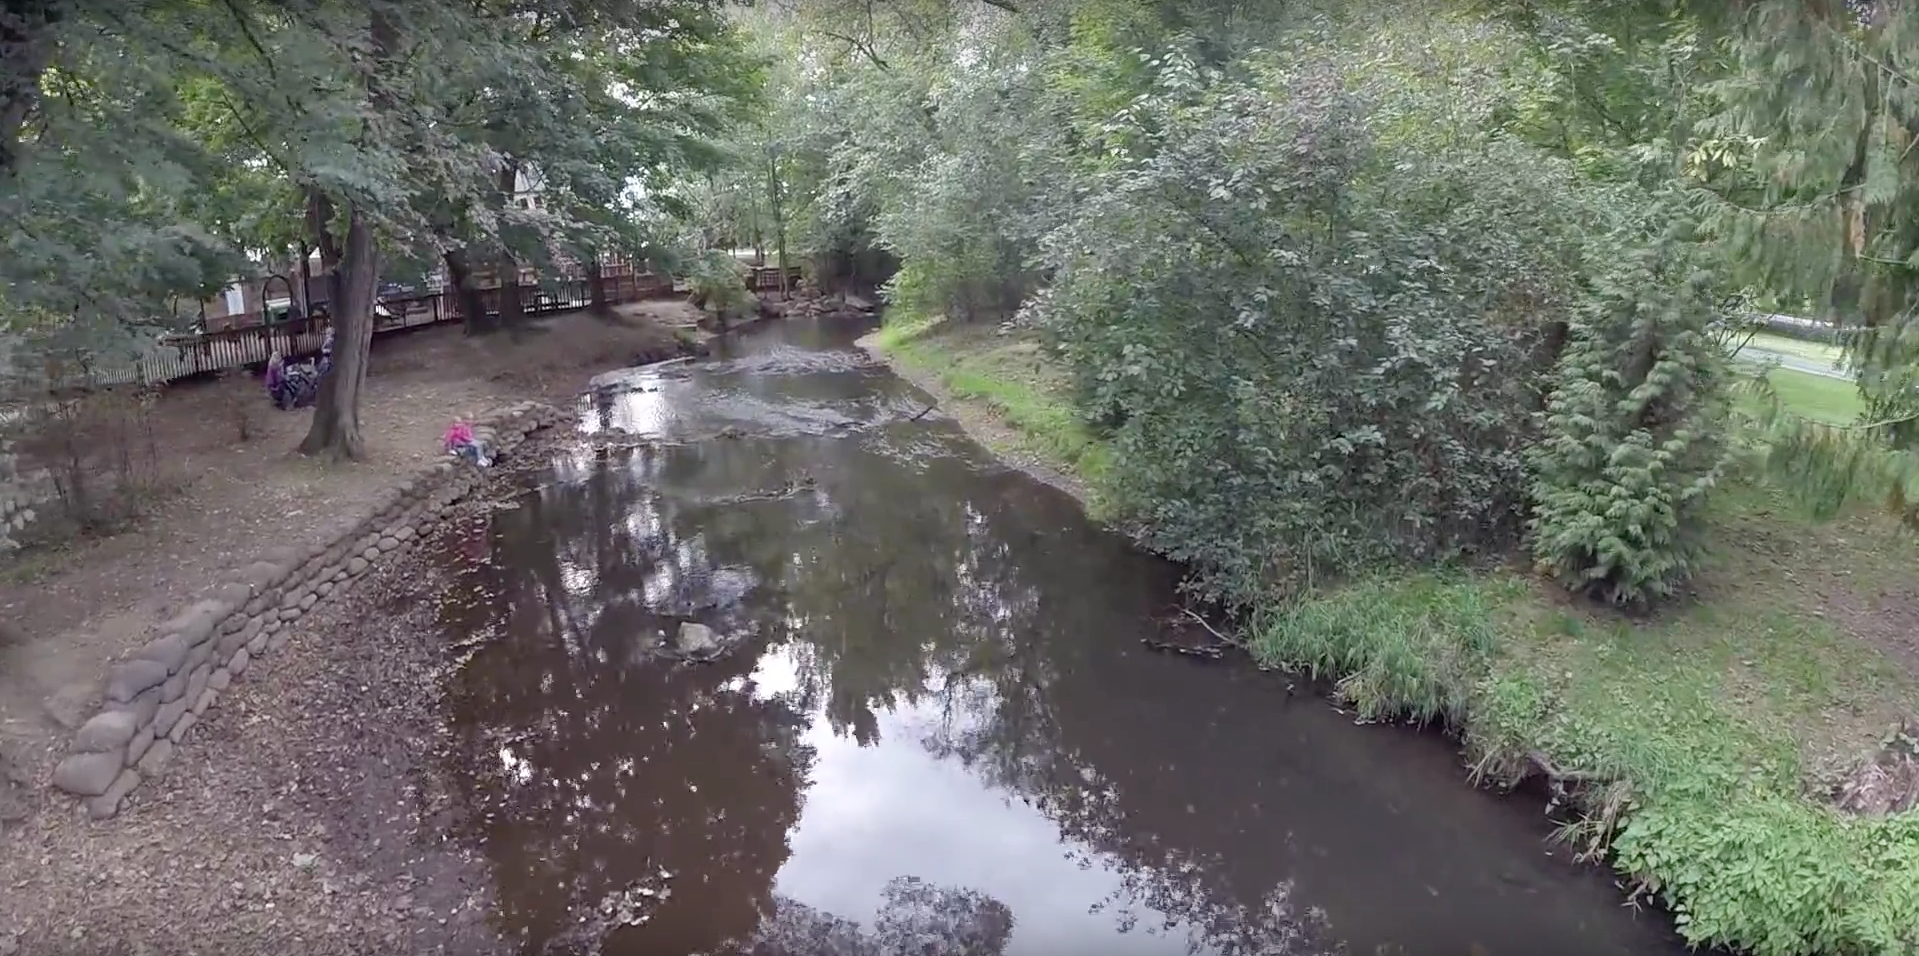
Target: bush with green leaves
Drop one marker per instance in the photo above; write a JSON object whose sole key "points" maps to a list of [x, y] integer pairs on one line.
{"points": [[1310, 372], [1632, 441], [716, 282]]}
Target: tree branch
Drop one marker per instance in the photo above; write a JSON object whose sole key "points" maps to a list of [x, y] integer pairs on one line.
{"points": [[861, 47]]}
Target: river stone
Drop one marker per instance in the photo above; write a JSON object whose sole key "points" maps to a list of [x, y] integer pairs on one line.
{"points": [[169, 715], [258, 645], [107, 732], [260, 576], [107, 804], [371, 554], [229, 643], [169, 650], [129, 678], [70, 705], [388, 544], [252, 630], [279, 640], [145, 705], [697, 640], [325, 588], [233, 623], [195, 625], [242, 659], [207, 699], [156, 758], [306, 603], [233, 594], [88, 775], [370, 540], [201, 654], [197, 684], [137, 748], [274, 626], [221, 679], [289, 614], [174, 689], [404, 533], [187, 720], [293, 598], [357, 566], [258, 604]]}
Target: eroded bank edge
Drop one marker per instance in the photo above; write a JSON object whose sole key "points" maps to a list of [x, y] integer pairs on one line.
{"points": [[161, 689], [980, 421]]}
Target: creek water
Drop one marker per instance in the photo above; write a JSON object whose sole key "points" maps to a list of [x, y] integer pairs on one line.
{"points": [[940, 732]]}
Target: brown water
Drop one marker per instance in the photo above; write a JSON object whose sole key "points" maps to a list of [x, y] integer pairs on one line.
{"points": [[942, 733]]}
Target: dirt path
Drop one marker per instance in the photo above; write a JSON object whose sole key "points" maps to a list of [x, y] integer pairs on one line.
{"points": [[73, 609], [305, 815]]}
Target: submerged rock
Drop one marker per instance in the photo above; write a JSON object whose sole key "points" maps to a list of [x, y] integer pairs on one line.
{"points": [[696, 642]]}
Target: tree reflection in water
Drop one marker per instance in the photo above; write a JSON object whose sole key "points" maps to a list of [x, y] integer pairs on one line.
{"points": [[592, 770], [594, 766], [916, 919]]}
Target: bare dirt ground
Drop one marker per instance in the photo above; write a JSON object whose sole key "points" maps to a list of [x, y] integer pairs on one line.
{"points": [[305, 815], [72, 608]]}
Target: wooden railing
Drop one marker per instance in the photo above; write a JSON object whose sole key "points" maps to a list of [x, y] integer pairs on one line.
{"points": [[197, 353]]}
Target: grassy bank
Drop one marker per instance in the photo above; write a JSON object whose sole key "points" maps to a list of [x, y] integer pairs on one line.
{"points": [[1019, 397], [1699, 743]]}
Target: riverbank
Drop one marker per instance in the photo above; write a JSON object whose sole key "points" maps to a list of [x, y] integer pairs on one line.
{"points": [[319, 720], [1704, 747]]}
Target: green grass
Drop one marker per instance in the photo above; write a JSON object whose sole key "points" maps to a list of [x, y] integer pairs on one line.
{"points": [[1701, 729], [1009, 375], [1815, 397], [1785, 345], [1707, 724]]}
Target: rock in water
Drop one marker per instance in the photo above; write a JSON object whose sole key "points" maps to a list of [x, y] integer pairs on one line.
{"points": [[697, 642]]}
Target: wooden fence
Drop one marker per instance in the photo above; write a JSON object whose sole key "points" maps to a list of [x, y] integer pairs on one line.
{"points": [[196, 353]]}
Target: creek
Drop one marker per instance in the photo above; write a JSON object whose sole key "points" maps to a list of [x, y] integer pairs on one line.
{"points": [[938, 730]]}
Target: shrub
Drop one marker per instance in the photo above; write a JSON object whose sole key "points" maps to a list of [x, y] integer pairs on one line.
{"points": [[717, 283], [1632, 441], [1305, 373]]}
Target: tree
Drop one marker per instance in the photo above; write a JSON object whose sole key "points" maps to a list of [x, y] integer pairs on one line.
{"points": [[1632, 440]]}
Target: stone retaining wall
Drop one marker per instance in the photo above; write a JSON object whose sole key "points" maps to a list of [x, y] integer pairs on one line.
{"points": [[156, 695], [24, 492]]}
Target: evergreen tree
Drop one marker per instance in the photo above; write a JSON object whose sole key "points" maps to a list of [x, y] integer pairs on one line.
{"points": [[1632, 439]]}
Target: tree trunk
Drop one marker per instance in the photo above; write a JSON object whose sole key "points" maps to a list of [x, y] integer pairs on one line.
{"points": [[25, 50], [459, 274], [335, 432], [306, 279], [320, 221], [779, 222], [596, 287], [509, 268]]}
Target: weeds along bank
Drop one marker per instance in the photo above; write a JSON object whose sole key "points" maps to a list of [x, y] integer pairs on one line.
{"points": [[1701, 746]]}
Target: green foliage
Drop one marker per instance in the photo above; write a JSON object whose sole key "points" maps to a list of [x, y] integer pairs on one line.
{"points": [[1632, 438], [1349, 315], [152, 157], [1313, 371], [717, 283], [1414, 647], [1690, 728], [1778, 877]]}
